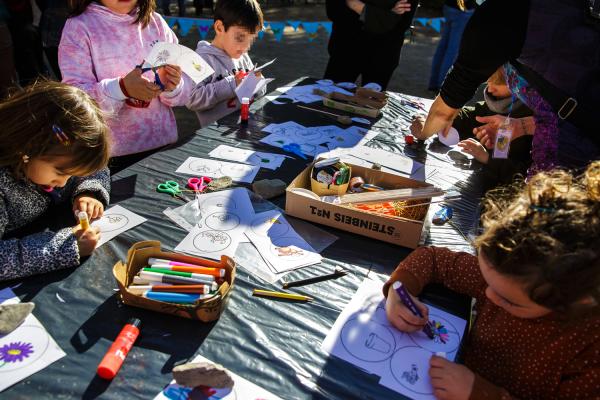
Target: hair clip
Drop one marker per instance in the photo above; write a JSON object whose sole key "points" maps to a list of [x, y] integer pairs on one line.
{"points": [[547, 210], [25, 158], [60, 135]]}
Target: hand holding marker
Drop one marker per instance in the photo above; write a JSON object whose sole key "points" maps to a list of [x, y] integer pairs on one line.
{"points": [[410, 304]]}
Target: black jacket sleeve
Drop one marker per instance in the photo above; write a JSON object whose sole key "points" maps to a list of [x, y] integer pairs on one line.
{"points": [[494, 35]]}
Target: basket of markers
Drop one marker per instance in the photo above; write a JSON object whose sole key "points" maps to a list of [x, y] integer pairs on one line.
{"points": [[174, 283]]}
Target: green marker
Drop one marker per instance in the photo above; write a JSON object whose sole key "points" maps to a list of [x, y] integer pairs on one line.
{"points": [[204, 277]]}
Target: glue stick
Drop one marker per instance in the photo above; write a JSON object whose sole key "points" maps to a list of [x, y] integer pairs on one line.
{"points": [[112, 361], [83, 220], [245, 110]]}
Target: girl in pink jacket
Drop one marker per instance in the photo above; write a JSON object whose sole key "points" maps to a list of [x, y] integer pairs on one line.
{"points": [[98, 52]]}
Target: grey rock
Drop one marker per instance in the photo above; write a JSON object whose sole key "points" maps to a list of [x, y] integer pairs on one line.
{"points": [[202, 374], [12, 315], [269, 188]]}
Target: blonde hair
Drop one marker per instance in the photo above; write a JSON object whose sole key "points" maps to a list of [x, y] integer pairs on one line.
{"points": [[52, 119], [547, 235]]}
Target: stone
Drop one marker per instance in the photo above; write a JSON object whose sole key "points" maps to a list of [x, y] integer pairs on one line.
{"points": [[12, 315], [202, 374], [269, 188]]}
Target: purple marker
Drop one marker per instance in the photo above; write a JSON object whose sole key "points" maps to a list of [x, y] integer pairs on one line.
{"points": [[408, 302]]}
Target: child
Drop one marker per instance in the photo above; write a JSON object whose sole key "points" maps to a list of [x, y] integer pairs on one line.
{"points": [[470, 121], [53, 149], [237, 23], [536, 282], [98, 52]]}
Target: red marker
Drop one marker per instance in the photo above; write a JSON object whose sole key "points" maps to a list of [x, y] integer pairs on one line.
{"points": [[110, 364]]}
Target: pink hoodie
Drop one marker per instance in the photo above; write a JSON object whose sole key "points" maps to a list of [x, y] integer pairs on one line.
{"points": [[99, 46]]}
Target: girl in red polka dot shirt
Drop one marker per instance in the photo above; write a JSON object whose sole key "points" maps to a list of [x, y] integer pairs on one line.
{"points": [[536, 281]]}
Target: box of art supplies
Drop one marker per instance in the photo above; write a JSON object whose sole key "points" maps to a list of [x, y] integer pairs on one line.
{"points": [[330, 177], [383, 206], [174, 283]]}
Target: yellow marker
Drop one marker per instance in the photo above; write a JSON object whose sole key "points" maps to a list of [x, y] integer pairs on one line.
{"points": [[83, 220], [280, 295]]}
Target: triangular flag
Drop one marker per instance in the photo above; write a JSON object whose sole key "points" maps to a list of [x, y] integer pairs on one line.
{"points": [[185, 24], [261, 34], [294, 24], [327, 25], [277, 29], [311, 29], [204, 26], [436, 24], [171, 21], [422, 21]]}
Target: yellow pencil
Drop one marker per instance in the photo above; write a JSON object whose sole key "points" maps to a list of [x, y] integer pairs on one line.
{"points": [[83, 220], [281, 295]]}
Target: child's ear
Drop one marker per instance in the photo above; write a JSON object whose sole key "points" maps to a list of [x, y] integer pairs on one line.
{"points": [[219, 26]]}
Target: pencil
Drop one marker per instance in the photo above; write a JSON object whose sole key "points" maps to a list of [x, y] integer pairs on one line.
{"points": [[308, 281], [280, 295]]}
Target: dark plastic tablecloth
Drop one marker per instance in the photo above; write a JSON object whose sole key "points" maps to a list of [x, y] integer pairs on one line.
{"points": [[271, 343]]}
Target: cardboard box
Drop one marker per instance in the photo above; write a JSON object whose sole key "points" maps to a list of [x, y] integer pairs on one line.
{"points": [[402, 232], [203, 310]]}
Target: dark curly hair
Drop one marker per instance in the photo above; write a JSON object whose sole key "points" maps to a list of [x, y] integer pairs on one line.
{"points": [[547, 234]]}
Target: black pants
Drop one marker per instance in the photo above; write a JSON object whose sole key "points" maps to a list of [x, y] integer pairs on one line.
{"points": [[354, 53]]}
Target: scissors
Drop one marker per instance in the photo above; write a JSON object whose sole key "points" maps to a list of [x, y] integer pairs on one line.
{"points": [[199, 184], [156, 77], [294, 148], [172, 188]]}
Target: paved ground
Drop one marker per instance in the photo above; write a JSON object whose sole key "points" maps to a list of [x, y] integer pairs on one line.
{"points": [[297, 57]]}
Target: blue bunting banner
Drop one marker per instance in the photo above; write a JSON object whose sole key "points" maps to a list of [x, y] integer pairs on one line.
{"points": [[203, 25]]}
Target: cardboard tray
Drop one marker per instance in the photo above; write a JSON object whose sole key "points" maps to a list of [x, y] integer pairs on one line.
{"points": [[402, 232], [203, 310]]}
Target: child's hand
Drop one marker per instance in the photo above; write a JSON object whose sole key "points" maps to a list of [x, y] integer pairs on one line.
{"points": [[401, 317], [476, 149], [258, 74], [90, 205], [87, 240], [450, 381], [170, 76], [239, 77], [416, 127], [486, 133], [401, 7], [139, 87]]}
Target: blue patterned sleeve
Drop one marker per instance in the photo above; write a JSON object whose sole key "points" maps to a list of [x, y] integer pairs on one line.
{"points": [[37, 253], [97, 184]]}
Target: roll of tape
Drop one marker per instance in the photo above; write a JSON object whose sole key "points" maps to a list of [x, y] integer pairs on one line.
{"points": [[356, 183]]}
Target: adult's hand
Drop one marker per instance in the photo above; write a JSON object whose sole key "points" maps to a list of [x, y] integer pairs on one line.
{"points": [[439, 119], [401, 7]]}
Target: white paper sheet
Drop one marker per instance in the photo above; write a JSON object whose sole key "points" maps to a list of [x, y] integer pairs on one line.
{"points": [[215, 169], [451, 139], [388, 159], [225, 217], [279, 244], [304, 93], [242, 389], [258, 158], [115, 221], [250, 85], [363, 336], [190, 62], [26, 350]]}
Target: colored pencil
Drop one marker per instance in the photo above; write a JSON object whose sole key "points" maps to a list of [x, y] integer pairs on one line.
{"points": [[280, 295]]}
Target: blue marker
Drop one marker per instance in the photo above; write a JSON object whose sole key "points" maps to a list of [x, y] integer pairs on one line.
{"points": [[169, 297]]}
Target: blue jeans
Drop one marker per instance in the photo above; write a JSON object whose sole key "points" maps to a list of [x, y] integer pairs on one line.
{"points": [[447, 49]]}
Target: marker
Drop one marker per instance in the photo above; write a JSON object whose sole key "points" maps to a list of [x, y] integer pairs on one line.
{"points": [[198, 289], [170, 279], [83, 220], [153, 260], [338, 273], [139, 281], [280, 295], [216, 272], [410, 304], [207, 278], [170, 297], [112, 361]]}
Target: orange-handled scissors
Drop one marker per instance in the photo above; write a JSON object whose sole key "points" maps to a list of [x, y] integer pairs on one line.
{"points": [[198, 185]]}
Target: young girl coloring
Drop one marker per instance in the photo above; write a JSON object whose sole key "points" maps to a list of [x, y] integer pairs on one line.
{"points": [[99, 51], [53, 149], [536, 281]]}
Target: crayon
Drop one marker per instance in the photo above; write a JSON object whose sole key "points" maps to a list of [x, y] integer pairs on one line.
{"points": [[280, 295]]}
